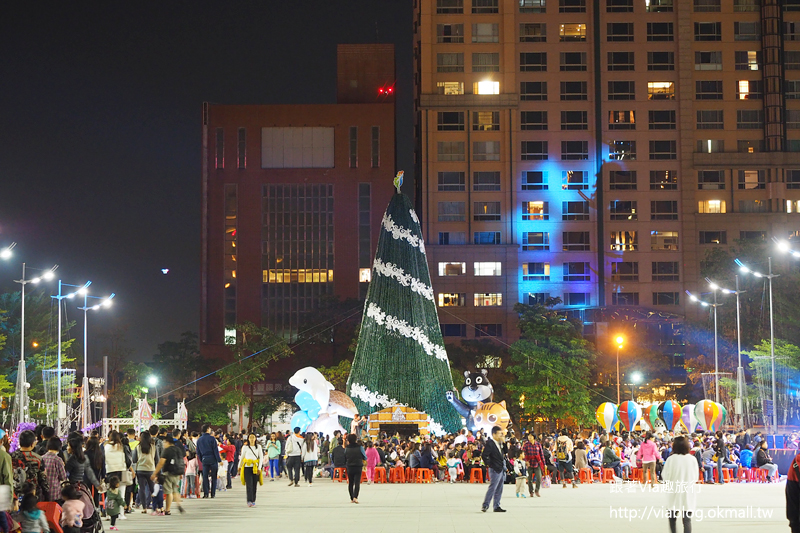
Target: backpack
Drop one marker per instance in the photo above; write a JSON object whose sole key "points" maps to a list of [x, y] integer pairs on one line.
{"points": [[176, 466], [27, 468], [561, 451]]}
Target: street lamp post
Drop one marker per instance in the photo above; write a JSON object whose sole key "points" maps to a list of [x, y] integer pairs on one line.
{"points": [[620, 340], [105, 302], [21, 402], [636, 378], [694, 298], [81, 289], [739, 370], [152, 381], [769, 276]]}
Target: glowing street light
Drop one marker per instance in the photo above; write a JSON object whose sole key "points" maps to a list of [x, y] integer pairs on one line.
{"points": [[152, 381], [85, 407], [620, 341], [5, 253], [62, 429], [744, 269], [21, 404], [695, 299], [636, 379], [739, 370]]}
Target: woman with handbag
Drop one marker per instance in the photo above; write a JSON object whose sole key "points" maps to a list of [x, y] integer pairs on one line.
{"points": [[115, 456], [250, 470], [310, 456]]}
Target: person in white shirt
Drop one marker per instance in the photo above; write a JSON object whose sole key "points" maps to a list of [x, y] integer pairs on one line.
{"points": [[461, 438], [250, 464], [680, 470]]}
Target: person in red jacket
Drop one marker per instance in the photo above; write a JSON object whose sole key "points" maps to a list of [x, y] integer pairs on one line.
{"points": [[793, 495], [228, 450]]}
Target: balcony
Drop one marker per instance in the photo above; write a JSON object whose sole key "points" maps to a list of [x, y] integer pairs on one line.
{"points": [[492, 101], [744, 159]]}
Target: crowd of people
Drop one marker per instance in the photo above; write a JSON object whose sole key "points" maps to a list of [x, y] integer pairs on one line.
{"points": [[94, 478]]}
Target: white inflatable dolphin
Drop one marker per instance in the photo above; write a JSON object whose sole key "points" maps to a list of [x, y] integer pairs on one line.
{"points": [[311, 380]]}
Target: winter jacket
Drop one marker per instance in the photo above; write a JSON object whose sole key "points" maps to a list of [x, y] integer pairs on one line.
{"points": [[207, 450], [648, 452], [793, 495], [492, 456]]}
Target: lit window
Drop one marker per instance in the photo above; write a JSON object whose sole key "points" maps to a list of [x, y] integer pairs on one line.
{"points": [[450, 87], [624, 241], [535, 210], [230, 336], [487, 87], [664, 240], [488, 299], [487, 268], [711, 206], [297, 275], [452, 269], [452, 299], [536, 271], [364, 275], [660, 90]]}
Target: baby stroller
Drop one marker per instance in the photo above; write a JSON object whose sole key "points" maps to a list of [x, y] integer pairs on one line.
{"points": [[93, 524]]}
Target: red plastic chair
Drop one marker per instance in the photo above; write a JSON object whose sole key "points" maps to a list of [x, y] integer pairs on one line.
{"points": [[380, 475], [52, 512], [585, 475], [476, 475], [424, 475], [397, 475], [608, 475], [339, 474]]}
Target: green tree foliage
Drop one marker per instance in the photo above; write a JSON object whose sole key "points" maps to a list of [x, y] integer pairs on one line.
{"points": [[127, 388], [209, 410], [176, 361], [338, 374], [247, 368], [719, 265], [551, 364], [41, 327], [263, 408]]}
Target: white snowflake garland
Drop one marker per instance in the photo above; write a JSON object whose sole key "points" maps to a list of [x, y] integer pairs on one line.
{"points": [[374, 399], [403, 328], [399, 232], [390, 270], [435, 427], [413, 216]]}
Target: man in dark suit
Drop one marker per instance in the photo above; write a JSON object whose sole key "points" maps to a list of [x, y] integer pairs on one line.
{"points": [[208, 456], [495, 461]]}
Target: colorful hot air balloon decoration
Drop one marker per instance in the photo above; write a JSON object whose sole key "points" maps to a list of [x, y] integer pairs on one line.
{"points": [[629, 414], [720, 418], [606, 415], [688, 418], [706, 413], [670, 413]]}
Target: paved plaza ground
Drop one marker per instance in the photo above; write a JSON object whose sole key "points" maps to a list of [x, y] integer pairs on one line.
{"points": [[443, 507]]}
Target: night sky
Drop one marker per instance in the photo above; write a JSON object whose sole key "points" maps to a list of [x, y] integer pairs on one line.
{"points": [[101, 124]]}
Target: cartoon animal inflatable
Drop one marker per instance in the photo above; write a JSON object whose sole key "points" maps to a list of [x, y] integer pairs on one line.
{"points": [[476, 389], [311, 380], [488, 415]]}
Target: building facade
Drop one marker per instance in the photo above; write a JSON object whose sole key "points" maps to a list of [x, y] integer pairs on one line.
{"points": [[293, 197], [596, 150]]}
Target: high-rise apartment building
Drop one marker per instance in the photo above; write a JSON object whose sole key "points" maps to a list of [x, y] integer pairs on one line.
{"points": [[596, 150], [293, 197]]}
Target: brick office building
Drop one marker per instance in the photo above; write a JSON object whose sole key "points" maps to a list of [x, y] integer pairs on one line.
{"points": [[293, 197]]}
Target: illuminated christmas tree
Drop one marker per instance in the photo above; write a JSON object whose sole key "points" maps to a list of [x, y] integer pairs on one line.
{"points": [[400, 357]]}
